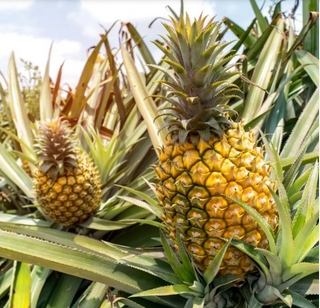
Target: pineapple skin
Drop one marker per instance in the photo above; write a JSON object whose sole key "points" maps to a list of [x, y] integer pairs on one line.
{"points": [[71, 197], [192, 182]]}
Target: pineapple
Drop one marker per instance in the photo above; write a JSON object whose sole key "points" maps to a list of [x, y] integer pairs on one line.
{"points": [[207, 156], [67, 184]]}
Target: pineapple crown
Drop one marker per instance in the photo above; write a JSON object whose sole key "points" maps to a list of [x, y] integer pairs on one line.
{"points": [[198, 86], [56, 148]]}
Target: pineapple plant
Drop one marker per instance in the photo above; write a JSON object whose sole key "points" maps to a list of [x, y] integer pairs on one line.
{"points": [[111, 260], [207, 156], [67, 183]]}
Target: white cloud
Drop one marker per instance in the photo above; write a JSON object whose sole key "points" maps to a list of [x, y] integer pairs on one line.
{"points": [[36, 50], [139, 13], [98, 14], [126, 10], [15, 4]]}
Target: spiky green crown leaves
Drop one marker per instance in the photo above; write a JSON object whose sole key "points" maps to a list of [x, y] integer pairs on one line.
{"points": [[56, 148], [198, 87]]}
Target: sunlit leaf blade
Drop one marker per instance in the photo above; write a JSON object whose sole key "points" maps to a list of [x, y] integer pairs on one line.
{"points": [[21, 286], [286, 249], [141, 45], [174, 260], [311, 64], [150, 203], [79, 96], [46, 110], [274, 158], [18, 109], [301, 128], [312, 38], [308, 158], [276, 119], [82, 262], [291, 174], [14, 172], [185, 257], [310, 241], [305, 210], [252, 253], [295, 269], [92, 297], [296, 186], [38, 278], [263, 73], [261, 221], [248, 40], [262, 21], [128, 302], [167, 290], [214, 266], [144, 101]]}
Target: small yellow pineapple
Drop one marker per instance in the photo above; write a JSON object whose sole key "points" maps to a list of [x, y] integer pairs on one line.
{"points": [[207, 156], [67, 184]]}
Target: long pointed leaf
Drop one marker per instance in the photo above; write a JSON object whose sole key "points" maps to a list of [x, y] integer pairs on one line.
{"points": [[145, 103]]}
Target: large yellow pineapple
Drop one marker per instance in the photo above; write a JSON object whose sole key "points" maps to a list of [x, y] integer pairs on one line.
{"points": [[207, 156], [67, 184]]}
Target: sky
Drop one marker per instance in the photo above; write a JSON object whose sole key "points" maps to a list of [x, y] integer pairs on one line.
{"points": [[29, 27]]}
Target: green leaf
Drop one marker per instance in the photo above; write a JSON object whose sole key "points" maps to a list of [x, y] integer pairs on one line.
{"points": [[214, 266], [15, 173], [261, 221], [293, 170], [274, 158], [22, 220], [305, 209], [270, 293], [263, 72], [20, 294], [144, 102], [246, 37], [167, 290], [251, 300], [311, 64], [174, 261], [286, 248], [125, 301], [297, 137], [274, 265], [5, 282], [308, 158], [263, 24], [299, 300], [38, 278], [296, 186], [18, 109], [295, 269], [185, 257], [252, 253], [307, 286], [310, 241], [63, 293], [79, 97], [92, 297], [313, 255], [150, 203], [74, 255], [46, 110], [303, 237], [275, 123]]}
